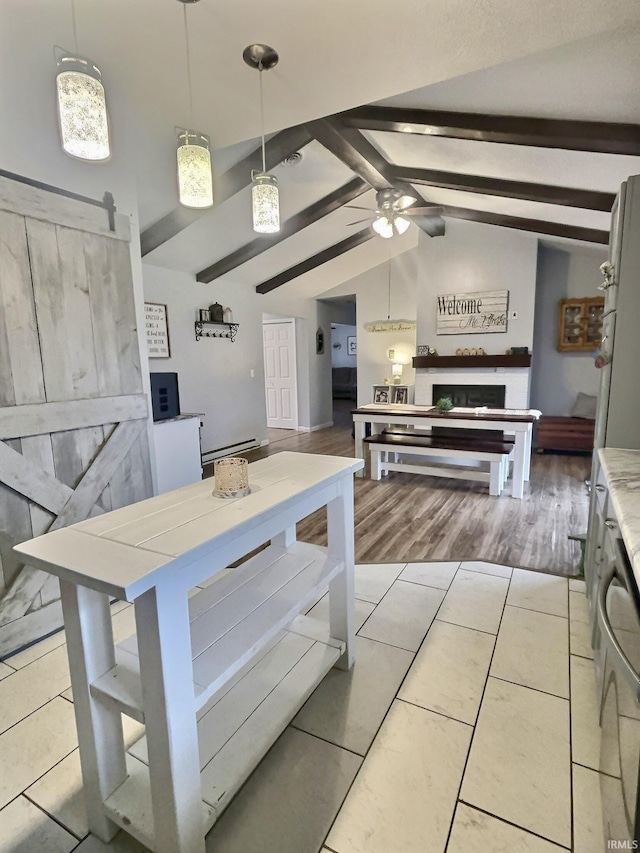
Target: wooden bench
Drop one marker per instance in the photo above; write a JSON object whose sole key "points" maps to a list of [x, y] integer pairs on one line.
{"points": [[496, 452], [565, 433]]}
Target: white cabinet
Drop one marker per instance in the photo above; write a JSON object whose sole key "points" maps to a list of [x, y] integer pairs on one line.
{"points": [[177, 452], [216, 676]]}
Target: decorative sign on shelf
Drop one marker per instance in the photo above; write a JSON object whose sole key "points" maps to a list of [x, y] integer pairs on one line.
{"points": [[472, 313], [156, 330]]}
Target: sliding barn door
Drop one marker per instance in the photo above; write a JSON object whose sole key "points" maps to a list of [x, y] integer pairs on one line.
{"points": [[73, 415]]}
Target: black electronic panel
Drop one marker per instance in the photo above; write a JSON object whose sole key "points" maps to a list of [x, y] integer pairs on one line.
{"points": [[165, 399]]}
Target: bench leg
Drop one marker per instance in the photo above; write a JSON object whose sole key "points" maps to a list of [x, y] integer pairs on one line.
{"points": [[375, 464], [495, 478]]}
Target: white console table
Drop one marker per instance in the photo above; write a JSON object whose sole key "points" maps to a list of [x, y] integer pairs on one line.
{"points": [[215, 676]]}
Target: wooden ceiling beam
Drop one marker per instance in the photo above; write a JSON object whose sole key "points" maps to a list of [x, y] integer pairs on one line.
{"points": [[543, 193], [356, 152], [539, 226], [344, 194], [277, 149], [316, 260], [602, 137]]}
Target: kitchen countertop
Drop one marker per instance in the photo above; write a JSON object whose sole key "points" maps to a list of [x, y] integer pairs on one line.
{"points": [[622, 468]]}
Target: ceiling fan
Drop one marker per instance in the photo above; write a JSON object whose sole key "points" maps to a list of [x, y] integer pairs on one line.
{"points": [[392, 212]]}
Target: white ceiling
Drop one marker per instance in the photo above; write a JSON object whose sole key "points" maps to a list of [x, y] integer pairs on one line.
{"points": [[575, 59]]}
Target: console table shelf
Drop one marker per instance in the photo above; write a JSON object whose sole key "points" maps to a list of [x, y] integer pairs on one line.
{"points": [[214, 676], [471, 361]]}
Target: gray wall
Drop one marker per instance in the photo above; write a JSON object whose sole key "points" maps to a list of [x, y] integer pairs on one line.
{"points": [[557, 377]]}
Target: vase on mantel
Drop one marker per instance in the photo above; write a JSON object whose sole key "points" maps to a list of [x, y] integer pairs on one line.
{"points": [[227, 315]]}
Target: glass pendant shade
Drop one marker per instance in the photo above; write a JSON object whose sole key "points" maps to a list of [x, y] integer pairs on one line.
{"points": [[401, 223], [195, 182], [265, 203], [383, 226], [82, 109]]}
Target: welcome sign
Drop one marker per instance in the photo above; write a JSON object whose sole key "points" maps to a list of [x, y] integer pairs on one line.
{"points": [[472, 313]]}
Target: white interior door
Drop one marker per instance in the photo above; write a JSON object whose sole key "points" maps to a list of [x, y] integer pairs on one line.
{"points": [[280, 374]]}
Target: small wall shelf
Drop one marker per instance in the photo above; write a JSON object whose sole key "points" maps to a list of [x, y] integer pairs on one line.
{"points": [[472, 361], [216, 330]]}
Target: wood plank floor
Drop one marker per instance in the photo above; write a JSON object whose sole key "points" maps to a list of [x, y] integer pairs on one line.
{"points": [[412, 517]]}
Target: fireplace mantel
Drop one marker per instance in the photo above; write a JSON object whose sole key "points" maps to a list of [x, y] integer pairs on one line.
{"points": [[468, 362]]}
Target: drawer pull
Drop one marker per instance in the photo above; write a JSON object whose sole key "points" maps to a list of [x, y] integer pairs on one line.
{"points": [[610, 524], [600, 488]]}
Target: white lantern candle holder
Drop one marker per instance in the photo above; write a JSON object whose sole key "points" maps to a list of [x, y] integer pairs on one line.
{"points": [[231, 476]]}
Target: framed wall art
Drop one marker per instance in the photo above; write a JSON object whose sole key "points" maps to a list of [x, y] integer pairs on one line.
{"points": [[156, 326]]}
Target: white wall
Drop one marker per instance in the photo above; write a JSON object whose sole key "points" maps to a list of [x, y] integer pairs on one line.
{"points": [[475, 257], [214, 373], [557, 377]]}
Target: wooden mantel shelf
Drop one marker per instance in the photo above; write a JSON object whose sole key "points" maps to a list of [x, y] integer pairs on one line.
{"points": [[471, 361]]}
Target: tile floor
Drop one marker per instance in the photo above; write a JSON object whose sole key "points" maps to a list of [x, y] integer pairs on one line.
{"points": [[469, 723]]}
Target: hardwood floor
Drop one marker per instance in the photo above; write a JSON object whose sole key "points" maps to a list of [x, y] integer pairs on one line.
{"points": [[412, 517]]}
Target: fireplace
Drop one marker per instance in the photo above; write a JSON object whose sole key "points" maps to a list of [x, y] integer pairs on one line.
{"points": [[470, 396]]}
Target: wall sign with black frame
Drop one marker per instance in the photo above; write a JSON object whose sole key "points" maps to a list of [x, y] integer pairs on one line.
{"points": [[156, 326]]}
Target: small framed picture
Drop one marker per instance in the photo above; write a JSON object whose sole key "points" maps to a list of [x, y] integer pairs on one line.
{"points": [[382, 393], [203, 315], [401, 394], [352, 345], [423, 349]]}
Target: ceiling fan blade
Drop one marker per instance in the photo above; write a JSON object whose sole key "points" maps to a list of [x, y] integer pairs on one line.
{"points": [[423, 211], [358, 221], [357, 207]]}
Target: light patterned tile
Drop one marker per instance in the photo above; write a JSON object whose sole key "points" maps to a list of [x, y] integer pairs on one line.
{"points": [[578, 607], [59, 792], [122, 843], [487, 568], [31, 687], [533, 650], [585, 713], [374, 579], [588, 833], [475, 601], [449, 672], [34, 745], [26, 829], [538, 591], [405, 792], [519, 766], [476, 831], [577, 585], [403, 616], [68, 694], [363, 609], [290, 800], [347, 708], [5, 670], [439, 575], [580, 639]]}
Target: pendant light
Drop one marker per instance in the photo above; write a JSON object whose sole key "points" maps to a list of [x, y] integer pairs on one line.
{"points": [[82, 106], [265, 201], [390, 325], [195, 180]]}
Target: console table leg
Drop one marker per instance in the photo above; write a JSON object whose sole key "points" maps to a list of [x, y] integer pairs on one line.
{"points": [[164, 644], [342, 587], [87, 622]]}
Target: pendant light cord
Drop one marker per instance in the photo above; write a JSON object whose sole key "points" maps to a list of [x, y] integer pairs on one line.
{"points": [[186, 41], [264, 163], [389, 297]]}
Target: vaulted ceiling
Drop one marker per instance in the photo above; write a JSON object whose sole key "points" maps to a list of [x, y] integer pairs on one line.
{"points": [[523, 115]]}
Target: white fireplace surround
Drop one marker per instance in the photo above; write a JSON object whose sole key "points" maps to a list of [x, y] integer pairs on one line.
{"points": [[515, 380]]}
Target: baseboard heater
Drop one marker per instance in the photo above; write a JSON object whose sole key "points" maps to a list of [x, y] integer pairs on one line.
{"points": [[229, 449]]}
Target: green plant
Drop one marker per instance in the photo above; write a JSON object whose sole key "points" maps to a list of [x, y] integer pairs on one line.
{"points": [[444, 404]]}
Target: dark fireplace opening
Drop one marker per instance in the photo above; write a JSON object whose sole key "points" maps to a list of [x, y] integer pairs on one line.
{"points": [[470, 396]]}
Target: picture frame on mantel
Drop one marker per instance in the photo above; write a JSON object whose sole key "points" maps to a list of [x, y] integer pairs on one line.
{"points": [[156, 327]]}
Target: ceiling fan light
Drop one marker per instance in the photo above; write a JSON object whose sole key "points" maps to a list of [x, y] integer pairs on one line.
{"points": [[82, 109], [265, 203], [195, 182], [382, 225], [401, 223], [405, 201]]}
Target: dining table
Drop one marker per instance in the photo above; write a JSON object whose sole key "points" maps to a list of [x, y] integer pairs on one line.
{"points": [[518, 422]]}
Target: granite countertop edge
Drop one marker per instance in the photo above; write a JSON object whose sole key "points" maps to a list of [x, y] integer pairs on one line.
{"points": [[622, 468]]}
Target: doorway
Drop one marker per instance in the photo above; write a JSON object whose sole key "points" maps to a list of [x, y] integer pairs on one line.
{"points": [[280, 375]]}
